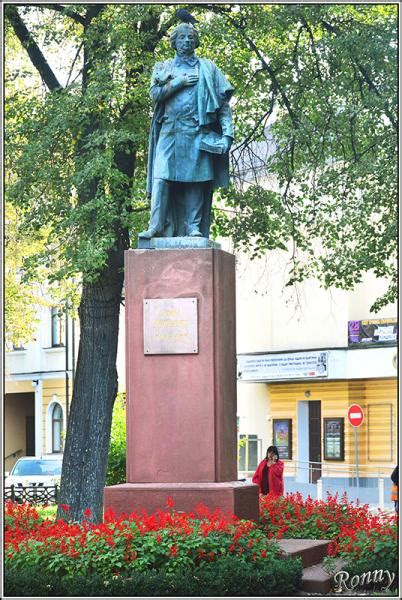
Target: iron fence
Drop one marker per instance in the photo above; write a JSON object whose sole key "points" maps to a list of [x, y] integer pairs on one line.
{"points": [[35, 494]]}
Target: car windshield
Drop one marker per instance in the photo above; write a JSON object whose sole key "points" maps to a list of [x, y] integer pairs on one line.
{"points": [[37, 467]]}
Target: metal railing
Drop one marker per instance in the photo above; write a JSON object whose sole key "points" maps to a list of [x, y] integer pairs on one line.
{"points": [[35, 494], [369, 483], [14, 454]]}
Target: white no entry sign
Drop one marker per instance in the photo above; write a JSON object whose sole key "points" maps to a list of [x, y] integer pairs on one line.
{"points": [[355, 415]]}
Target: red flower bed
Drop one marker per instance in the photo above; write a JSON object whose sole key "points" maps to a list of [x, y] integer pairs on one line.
{"points": [[353, 528], [172, 540], [137, 541]]}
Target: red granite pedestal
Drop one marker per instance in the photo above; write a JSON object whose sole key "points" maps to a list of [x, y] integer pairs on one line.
{"points": [[181, 408]]}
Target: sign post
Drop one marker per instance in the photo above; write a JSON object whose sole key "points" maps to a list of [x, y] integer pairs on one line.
{"points": [[355, 418]]}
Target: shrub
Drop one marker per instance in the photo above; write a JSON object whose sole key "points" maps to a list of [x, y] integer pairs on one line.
{"points": [[370, 548], [293, 517], [227, 576], [116, 469], [187, 554], [23, 515]]}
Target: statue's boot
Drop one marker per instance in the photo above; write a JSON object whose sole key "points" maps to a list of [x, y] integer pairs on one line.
{"points": [[195, 233], [148, 233]]}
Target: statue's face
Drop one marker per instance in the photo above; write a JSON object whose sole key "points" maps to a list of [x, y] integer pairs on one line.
{"points": [[185, 41]]}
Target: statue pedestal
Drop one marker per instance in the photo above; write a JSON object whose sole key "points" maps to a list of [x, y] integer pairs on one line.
{"points": [[181, 384], [175, 243]]}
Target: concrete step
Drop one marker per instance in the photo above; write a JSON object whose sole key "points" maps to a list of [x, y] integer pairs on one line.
{"points": [[316, 580], [310, 551]]}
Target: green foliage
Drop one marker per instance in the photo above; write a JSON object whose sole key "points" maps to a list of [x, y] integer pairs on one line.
{"points": [[116, 470], [316, 122], [228, 576], [46, 512], [72, 151], [372, 550], [314, 161], [21, 299]]}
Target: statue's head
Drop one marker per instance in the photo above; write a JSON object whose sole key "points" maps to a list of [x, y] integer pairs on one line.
{"points": [[184, 35]]}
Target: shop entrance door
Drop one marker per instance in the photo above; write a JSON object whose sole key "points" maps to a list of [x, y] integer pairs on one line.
{"points": [[314, 421]]}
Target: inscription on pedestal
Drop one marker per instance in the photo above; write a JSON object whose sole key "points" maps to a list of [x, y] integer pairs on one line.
{"points": [[170, 326]]}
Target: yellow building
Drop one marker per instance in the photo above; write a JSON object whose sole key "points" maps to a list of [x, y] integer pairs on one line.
{"points": [[305, 355], [328, 402], [39, 379], [35, 418], [38, 389], [301, 401]]}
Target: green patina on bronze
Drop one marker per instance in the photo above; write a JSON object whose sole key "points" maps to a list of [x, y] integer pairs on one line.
{"points": [[191, 134]]}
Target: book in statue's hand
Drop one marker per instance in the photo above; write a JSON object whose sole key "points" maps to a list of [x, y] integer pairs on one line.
{"points": [[212, 142]]}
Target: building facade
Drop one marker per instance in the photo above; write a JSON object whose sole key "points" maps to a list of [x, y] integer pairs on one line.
{"points": [[38, 388], [305, 356], [39, 379]]}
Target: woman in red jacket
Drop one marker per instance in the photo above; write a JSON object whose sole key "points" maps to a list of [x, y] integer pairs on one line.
{"points": [[269, 473]]}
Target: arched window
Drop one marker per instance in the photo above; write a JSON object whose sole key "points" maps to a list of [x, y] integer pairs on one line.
{"points": [[58, 329], [57, 428]]}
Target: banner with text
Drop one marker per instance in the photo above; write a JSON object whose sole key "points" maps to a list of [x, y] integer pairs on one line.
{"points": [[373, 331], [270, 367]]}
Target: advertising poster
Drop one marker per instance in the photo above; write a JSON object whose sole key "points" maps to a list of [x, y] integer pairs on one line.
{"points": [[372, 331], [333, 439], [283, 437]]}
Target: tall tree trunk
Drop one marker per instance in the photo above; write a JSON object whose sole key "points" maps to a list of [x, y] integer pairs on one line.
{"points": [[95, 388], [95, 385]]}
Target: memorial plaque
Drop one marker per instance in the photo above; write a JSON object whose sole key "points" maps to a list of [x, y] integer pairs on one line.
{"points": [[170, 326]]}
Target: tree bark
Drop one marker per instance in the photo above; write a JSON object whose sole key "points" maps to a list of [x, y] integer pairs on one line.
{"points": [[95, 388], [32, 48]]}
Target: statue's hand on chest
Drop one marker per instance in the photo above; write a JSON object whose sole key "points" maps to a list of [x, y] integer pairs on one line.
{"points": [[185, 77], [189, 79], [182, 81]]}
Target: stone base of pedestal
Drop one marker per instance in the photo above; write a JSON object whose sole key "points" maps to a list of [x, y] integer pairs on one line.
{"points": [[232, 497]]}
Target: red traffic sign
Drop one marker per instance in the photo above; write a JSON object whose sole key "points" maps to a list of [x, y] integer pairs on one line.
{"points": [[355, 415]]}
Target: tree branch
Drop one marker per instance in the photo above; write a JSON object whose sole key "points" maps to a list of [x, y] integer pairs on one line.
{"points": [[250, 136], [147, 26], [313, 48], [74, 61], [65, 10], [150, 25], [293, 116], [363, 71], [35, 54], [93, 11]]}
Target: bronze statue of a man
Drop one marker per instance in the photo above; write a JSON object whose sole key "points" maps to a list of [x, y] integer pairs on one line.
{"points": [[191, 135]]}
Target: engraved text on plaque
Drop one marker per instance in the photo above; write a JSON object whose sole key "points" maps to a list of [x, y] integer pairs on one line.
{"points": [[170, 326]]}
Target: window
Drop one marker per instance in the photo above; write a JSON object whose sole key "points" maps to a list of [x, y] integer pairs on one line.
{"points": [[248, 452], [334, 438], [57, 428], [282, 436], [57, 327], [18, 346]]}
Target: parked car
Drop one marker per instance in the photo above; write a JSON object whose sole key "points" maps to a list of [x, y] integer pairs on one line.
{"points": [[31, 471]]}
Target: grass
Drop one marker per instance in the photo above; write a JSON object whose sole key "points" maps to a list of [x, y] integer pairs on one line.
{"points": [[47, 512]]}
